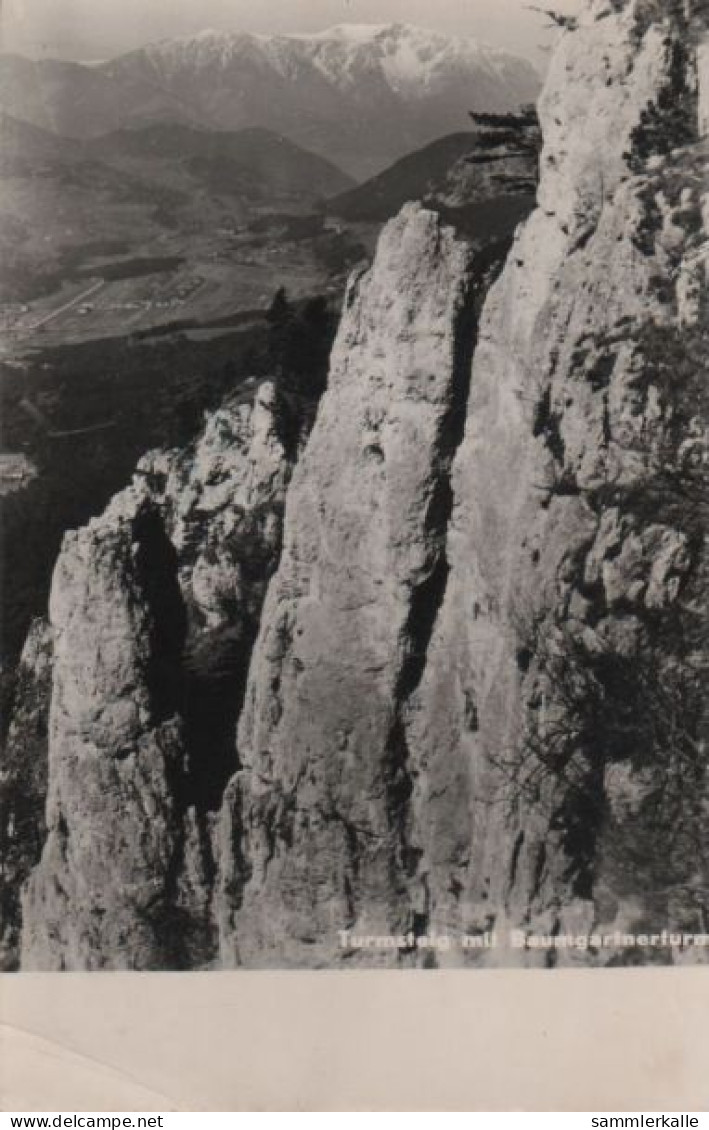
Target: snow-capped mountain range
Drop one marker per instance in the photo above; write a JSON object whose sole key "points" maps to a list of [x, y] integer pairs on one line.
{"points": [[413, 61], [361, 95]]}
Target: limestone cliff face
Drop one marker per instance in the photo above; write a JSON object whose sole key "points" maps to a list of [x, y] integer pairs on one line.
{"points": [[153, 611], [557, 734]]}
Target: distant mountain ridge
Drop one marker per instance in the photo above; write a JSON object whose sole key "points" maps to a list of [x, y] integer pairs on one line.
{"points": [[361, 96], [461, 174], [256, 159]]}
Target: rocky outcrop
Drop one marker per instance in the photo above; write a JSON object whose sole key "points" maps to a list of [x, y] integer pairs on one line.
{"points": [[153, 610], [315, 829], [23, 782]]}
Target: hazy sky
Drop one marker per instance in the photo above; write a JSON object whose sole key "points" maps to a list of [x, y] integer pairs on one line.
{"points": [[96, 29]]}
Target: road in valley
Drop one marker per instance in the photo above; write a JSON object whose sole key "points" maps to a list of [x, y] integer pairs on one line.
{"points": [[67, 305]]}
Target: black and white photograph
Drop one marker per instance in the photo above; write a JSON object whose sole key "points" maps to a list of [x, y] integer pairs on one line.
{"points": [[354, 385]]}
